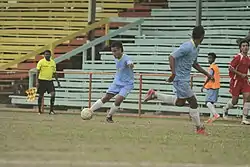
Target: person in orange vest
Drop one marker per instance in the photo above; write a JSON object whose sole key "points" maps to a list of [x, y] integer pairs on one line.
{"points": [[212, 87]]}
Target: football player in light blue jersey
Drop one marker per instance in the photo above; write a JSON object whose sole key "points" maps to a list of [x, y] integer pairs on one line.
{"points": [[181, 62], [123, 82]]}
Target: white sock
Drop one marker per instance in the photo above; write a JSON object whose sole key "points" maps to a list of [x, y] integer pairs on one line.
{"points": [[246, 107], [112, 110], [98, 104], [229, 105], [169, 99], [211, 108], [195, 115]]}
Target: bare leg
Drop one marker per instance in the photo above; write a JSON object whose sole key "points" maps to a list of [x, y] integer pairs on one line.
{"points": [[99, 103]]}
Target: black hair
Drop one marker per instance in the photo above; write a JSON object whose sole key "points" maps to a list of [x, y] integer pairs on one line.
{"points": [[47, 51], [213, 55], [243, 41], [198, 32], [117, 44]]}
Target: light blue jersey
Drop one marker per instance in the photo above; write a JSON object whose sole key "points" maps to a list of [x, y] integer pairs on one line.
{"points": [[185, 56], [124, 75], [123, 82]]}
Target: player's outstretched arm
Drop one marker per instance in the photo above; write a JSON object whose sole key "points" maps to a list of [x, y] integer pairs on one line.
{"points": [[201, 70], [207, 80]]}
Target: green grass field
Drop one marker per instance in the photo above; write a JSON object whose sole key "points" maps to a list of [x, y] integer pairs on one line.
{"points": [[28, 139]]}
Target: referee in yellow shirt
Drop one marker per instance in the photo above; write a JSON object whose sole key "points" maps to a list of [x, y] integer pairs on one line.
{"points": [[46, 70]]}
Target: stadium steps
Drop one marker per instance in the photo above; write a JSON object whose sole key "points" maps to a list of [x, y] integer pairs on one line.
{"points": [[150, 53], [25, 18], [26, 26], [63, 48], [25, 36]]}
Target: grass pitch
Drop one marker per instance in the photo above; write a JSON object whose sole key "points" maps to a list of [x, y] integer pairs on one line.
{"points": [[28, 139]]}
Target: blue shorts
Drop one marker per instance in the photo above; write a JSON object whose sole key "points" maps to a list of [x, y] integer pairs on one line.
{"points": [[119, 89], [183, 89], [212, 95]]}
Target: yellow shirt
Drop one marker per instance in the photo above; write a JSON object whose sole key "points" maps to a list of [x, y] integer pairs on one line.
{"points": [[46, 68]]}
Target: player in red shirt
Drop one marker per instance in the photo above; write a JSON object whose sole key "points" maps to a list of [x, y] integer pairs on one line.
{"points": [[239, 83]]}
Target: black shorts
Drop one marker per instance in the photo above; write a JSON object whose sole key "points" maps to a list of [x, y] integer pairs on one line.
{"points": [[45, 86]]}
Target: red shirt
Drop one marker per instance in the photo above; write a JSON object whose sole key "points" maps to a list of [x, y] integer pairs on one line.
{"points": [[240, 63]]}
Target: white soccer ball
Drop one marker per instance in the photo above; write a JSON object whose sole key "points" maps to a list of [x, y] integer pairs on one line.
{"points": [[86, 114]]}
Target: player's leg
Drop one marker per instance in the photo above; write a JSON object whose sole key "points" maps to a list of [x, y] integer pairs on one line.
{"points": [[179, 99], [40, 90], [184, 91], [99, 103], [211, 98], [195, 115], [246, 99], [246, 107], [169, 99], [50, 88], [230, 104], [235, 90], [111, 92], [123, 93], [152, 94]]}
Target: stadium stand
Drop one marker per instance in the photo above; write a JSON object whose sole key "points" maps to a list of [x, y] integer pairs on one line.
{"points": [[167, 28], [161, 34], [26, 25]]}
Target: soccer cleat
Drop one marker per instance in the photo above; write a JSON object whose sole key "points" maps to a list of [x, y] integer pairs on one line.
{"points": [[201, 131], [150, 95], [245, 122], [109, 119], [215, 117], [52, 113]]}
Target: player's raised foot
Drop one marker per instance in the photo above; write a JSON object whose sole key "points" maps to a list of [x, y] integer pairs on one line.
{"points": [[52, 113], [209, 121], [245, 122], [201, 131], [109, 119], [150, 95], [214, 118]]}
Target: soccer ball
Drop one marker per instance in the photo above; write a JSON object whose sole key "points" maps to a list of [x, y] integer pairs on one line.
{"points": [[86, 114]]}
